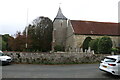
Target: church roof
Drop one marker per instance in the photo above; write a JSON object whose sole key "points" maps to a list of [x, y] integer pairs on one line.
{"points": [[60, 15], [94, 28]]}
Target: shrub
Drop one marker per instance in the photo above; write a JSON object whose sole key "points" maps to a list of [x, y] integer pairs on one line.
{"points": [[86, 43], [59, 48], [94, 45], [105, 45], [115, 50]]}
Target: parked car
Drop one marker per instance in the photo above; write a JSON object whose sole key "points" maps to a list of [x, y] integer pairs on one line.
{"points": [[4, 59], [111, 64]]}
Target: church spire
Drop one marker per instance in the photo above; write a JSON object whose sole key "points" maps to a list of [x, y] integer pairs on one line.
{"points": [[60, 15]]}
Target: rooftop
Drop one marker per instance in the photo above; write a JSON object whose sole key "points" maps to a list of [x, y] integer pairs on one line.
{"points": [[60, 15], [95, 28]]}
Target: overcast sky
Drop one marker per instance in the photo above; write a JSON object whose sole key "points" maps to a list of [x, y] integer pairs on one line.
{"points": [[13, 13]]}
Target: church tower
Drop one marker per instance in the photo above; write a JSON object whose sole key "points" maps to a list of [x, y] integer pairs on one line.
{"points": [[59, 29]]}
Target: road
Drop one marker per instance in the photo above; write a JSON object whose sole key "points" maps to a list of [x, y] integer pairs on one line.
{"points": [[54, 71]]}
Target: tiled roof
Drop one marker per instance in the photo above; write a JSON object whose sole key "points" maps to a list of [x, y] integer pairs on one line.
{"points": [[60, 15], [94, 28]]}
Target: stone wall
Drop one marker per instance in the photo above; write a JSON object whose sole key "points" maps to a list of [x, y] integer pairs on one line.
{"points": [[55, 58]]}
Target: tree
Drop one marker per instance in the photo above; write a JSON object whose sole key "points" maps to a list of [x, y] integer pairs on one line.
{"points": [[86, 43], [94, 44], [11, 43], [3, 45], [40, 33], [18, 43], [5, 40], [105, 45], [30, 38]]}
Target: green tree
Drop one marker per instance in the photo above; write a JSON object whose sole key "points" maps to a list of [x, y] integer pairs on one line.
{"points": [[94, 45], [105, 45], [3, 45], [30, 38], [5, 40], [40, 33], [86, 43]]}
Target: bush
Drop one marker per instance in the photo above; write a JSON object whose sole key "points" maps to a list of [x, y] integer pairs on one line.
{"points": [[86, 43], [115, 50], [59, 48], [94, 45], [105, 45]]}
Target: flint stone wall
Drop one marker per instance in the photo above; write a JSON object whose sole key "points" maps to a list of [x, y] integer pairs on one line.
{"points": [[55, 58]]}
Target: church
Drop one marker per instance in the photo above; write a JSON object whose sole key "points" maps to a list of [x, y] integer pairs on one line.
{"points": [[72, 33]]}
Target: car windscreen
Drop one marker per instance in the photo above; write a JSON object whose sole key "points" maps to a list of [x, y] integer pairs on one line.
{"points": [[1, 54], [107, 59]]}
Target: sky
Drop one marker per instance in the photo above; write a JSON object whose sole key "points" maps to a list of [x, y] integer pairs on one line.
{"points": [[13, 13]]}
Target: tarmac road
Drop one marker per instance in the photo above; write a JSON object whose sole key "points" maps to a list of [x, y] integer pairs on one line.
{"points": [[54, 71]]}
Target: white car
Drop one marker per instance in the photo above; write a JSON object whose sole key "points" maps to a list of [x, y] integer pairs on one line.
{"points": [[111, 64], [4, 59]]}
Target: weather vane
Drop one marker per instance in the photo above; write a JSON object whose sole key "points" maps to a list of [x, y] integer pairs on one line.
{"points": [[60, 4]]}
